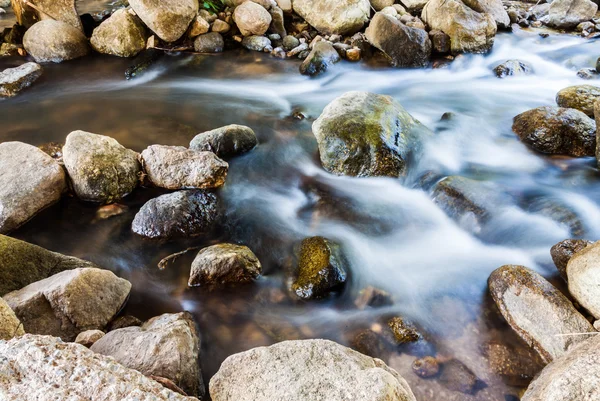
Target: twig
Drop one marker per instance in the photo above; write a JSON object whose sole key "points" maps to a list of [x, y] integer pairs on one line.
{"points": [[36, 8], [163, 262]]}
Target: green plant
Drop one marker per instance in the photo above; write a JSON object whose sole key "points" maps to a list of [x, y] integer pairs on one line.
{"points": [[213, 5]]}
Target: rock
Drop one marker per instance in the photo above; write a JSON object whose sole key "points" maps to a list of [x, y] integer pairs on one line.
{"points": [[569, 13], [404, 46], [69, 302], [306, 370], [290, 42], [89, 337], [199, 26], [373, 297], [168, 384], [512, 68], [123, 321], [580, 97], [14, 80], [414, 6], [457, 376], [364, 134], [370, 343], [469, 31], [563, 252], [537, 311], [403, 331], [176, 167], [211, 42], [516, 365], [556, 130], [583, 276], [539, 11], [251, 18], [61, 10], [224, 264], [55, 41], [100, 169], [168, 20], [493, 7], [122, 34], [426, 367], [10, 326], [166, 346], [44, 368], [277, 22], [440, 42], [343, 17], [179, 214], [322, 56], [220, 26], [228, 141], [30, 182], [256, 43], [379, 5]]}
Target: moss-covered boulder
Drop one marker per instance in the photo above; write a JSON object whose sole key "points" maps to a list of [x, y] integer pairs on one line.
{"points": [[123, 34], [364, 134], [224, 264], [580, 97]]}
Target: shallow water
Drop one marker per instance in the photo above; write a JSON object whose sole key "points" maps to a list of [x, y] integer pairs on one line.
{"points": [[393, 234]]}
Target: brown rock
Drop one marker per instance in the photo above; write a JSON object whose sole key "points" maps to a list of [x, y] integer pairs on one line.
{"points": [[563, 252], [404, 332], [89, 337], [426, 367]]}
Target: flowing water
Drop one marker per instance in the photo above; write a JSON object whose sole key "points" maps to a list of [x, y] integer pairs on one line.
{"points": [[394, 235]]}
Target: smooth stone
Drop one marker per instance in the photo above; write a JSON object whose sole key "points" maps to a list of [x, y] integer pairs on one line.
{"points": [[511, 68], [211, 42], [10, 326], [493, 7], [224, 264], [580, 97], [343, 17], [89, 337], [322, 56], [563, 251], [220, 26], [228, 141], [256, 43], [14, 80], [570, 13], [252, 18], [55, 41], [379, 5], [199, 26], [290, 42], [583, 276], [123, 34], [169, 20], [62, 10]]}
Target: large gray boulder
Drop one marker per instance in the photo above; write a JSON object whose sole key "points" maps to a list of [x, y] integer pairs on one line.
{"points": [[228, 141], [583, 275], [10, 326], [364, 134], [38, 368], [61, 10], [308, 370], [167, 19], [580, 97], [321, 57], [123, 34], [539, 313], [14, 80], [30, 181], [252, 18], [493, 7], [166, 346], [224, 264], [70, 302], [570, 13], [100, 169], [55, 41], [343, 17]]}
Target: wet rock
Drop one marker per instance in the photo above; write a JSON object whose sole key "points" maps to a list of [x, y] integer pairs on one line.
{"points": [[224, 264], [512, 68], [403, 331], [69, 302], [364, 134], [457, 376], [123, 321], [493, 7], [569, 13], [61, 10], [557, 210], [320, 268], [426, 367], [168, 20], [100, 169], [563, 252], [539, 11], [122, 34], [30, 182], [583, 275], [306, 370], [580, 97], [179, 214], [256, 43], [440, 42], [211, 42], [45, 368], [322, 56], [556, 130], [89, 337], [343, 17], [176, 167], [404, 46], [55, 41], [516, 365], [228, 141], [142, 62], [10, 326], [14, 80], [469, 31], [588, 74], [370, 343], [373, 297], [252, 18], [166, 346], [537, 311]]}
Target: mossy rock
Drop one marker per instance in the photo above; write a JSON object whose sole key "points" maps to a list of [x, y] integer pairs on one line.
{"points": [[404, 332]]}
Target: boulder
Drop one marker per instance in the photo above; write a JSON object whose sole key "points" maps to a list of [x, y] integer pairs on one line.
{"points": [[404, 46], [179, 214], [563, 252], [70, 302], [100, 168], [10, 326], [493, 7], [537, 311], [379, 5], [556, 130], [14, 80], [30, 182], [176, 167], [224, 264], [321, 57], [256, 43], [469, 31], [343, 17], [89, 337], [211, 42], [61, 10], [122, 34], [55, 41], [567, 14], [511, 68], [169, 20], [414, 6], [307, 370], [580, 97], [252, 18], [228, 141], [35, 368], [364, 134], [583, 275], [166, 346]]}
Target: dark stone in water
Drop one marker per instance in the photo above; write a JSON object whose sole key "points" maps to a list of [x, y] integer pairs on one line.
{"points": [[458, 377], [370, 343], [512, 68], [563, 252], [228, 141], [516, 365], [404, 332], [426, 367], [142, 62]]}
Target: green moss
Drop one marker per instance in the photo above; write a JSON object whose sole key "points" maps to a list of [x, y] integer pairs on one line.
{"points": [[404, 332]]}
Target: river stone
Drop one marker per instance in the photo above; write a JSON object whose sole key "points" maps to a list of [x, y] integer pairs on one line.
{"points": [[228, 141], [62, 10], [122, 34], [89, 337], [379, 5], [516, 364], [176, 167], [55, 41], [456, 376], [563, 252], [100, 169], [211, 42], [307, 370], [41, 368], [187, 213], [10, 326], [493, 7], [415, 6], [30, 181], [224, 264], [169, 20], [364, 134], [404, 46], [14, 80], [469, 31], [70, 302], [557, 130], [343, 17], [537, 312], [404, 332], [511, 68], [256, 43], [580, 97], [583, 276], [321, 57], [166, 346], [252, 18], [570, 13]]}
